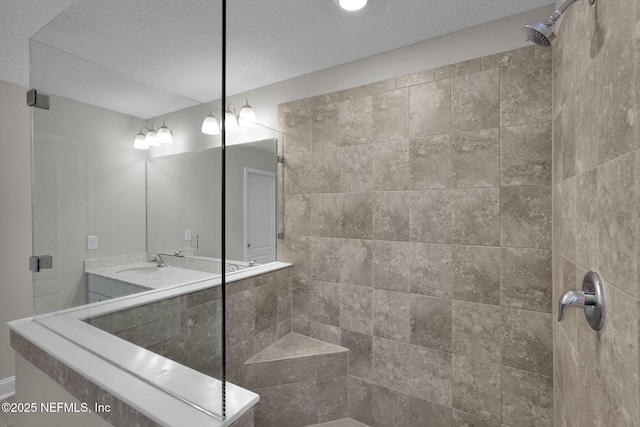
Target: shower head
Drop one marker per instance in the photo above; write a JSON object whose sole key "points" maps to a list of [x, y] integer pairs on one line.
{"points": [[541, 33]]}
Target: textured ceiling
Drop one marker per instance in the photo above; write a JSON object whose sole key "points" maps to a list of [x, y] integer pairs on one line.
{"points": [[149, 57]]}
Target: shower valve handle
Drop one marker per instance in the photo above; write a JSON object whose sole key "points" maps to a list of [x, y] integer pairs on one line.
{"points": [[591, 299]]}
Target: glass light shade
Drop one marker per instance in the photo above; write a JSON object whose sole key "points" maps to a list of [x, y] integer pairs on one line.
{"points": [[352, 5], [247, 116], [230, 121], [164, 135], [140, 143], [152, 138], [210, 125]]}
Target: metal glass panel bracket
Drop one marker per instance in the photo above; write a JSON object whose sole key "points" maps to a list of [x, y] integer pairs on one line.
{"points": [[38, 262]]}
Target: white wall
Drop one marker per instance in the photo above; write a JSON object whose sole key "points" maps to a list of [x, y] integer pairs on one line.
{"points": [[15, 216]]}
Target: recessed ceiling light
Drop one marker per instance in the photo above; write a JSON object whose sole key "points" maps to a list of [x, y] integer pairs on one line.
{"points": [[352, 5]]}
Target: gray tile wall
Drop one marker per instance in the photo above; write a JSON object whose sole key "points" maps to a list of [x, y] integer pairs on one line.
{"points": [[596, 222], [417, 214], [187, 328]]}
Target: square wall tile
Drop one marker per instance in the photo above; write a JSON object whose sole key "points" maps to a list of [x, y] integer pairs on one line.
{"points": [[325, 259], [391, 165], [430, 375], [326, 215], [356, 121], [360, 354], [325, 171], [297, 127], [391, 363], [297, 215], [476, 388], [525, 216], [432, 269], [527, 340], [391, 115], [527, 398], [391, 315], [325, 126], [360, 400], [475, 101], [476, 331], [356, 308], [430, 216], [295, 250], [357, 262], [357, 215], [476, 216], [431, 322], [475, 159], [430, 108], [476, 276], [430, 162], [525, 91], [332, 398], [391, 265], [619, 195], [391, 211], [393, 408], [525, 280], [297, 178], [525, 154], [317, 301], [356, 169]]}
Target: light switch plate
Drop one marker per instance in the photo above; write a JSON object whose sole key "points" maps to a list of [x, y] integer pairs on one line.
{"points": [[92, 242]]}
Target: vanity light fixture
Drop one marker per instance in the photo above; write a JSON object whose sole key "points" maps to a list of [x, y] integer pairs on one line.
{"points": [[164, 135], [152, 137], [247, 116], [352, 5], [210, 125], [140, 143]]}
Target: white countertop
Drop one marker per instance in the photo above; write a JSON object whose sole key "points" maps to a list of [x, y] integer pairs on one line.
{"points": [[169, 276]]}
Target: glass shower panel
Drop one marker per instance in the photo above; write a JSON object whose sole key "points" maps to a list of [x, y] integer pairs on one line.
{"points": [[116, 72]]}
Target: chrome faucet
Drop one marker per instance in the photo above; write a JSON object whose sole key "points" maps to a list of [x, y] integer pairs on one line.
{"points": [[158, 260]]}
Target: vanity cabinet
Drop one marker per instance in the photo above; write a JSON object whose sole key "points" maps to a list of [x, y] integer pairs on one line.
{"points": [[102, 288]]}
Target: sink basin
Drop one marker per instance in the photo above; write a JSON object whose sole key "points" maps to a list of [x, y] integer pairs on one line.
{"points": [[140, 270]]}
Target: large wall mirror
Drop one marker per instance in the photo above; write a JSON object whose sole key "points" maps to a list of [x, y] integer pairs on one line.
{"points": [[183, 195]]}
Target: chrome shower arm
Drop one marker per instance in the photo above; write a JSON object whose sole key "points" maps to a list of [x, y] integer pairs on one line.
{"points": [[559, 11]]}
